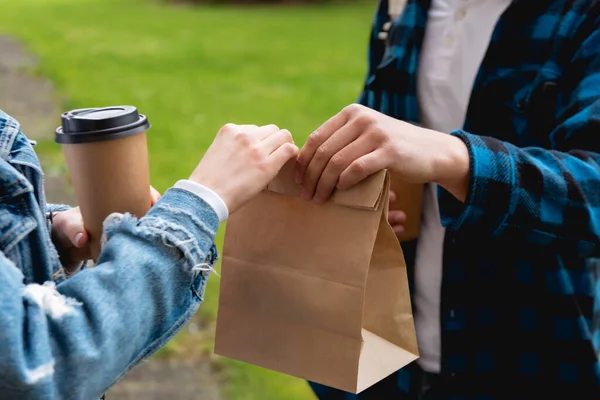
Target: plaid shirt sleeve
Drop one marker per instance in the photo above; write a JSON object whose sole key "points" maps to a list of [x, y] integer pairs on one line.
{"points": [[541, 196]]}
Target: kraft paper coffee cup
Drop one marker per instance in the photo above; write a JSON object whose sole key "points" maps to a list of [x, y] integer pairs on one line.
{"points": [[107, 156], [409, 198]]}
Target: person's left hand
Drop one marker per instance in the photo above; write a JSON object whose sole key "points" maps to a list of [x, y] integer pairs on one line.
{"points": [[70, 237], [359, 141]]}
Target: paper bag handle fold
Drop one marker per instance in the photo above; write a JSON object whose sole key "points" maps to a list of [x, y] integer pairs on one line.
{"points": [[366, 195]]}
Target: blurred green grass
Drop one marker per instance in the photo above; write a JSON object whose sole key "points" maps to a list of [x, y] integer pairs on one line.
{"points": [[191, 70]]}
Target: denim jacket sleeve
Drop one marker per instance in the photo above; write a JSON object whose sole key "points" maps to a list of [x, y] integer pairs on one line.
{"points": [[75, 339]]}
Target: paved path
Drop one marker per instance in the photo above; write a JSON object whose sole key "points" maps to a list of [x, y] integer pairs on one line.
{"points": [[32, 101]]}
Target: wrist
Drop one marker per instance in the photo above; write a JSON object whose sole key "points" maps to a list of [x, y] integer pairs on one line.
{"points": [[452, 166], [208, 181], [209, 195]]}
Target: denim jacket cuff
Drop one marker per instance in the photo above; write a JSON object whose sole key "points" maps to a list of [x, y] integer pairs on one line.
{"points": [[192, 214], [185, 224]]}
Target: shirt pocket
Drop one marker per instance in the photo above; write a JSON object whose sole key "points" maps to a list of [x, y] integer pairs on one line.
{"points": [[517, 105], [541, 106]]}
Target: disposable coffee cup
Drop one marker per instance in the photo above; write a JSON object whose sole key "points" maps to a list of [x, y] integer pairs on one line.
{"points": [[409, 198], [107, 156]]}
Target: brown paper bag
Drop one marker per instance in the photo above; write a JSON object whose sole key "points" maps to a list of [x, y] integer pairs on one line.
{"points": [[319, 292]]}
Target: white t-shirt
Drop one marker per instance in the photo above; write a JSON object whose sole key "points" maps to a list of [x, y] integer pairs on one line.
{"points": [[456, 39]]}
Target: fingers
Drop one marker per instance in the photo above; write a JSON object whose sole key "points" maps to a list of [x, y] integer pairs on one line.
{"points": [[248, 134], [69, 230], [396, 217], [398, 230], [362, 168], [264, 131], [77, 234], [230, 129], [338, 162], [327, 155], [393, 196], [282, 155], [315, 140], [330, 159], [276, 140]]}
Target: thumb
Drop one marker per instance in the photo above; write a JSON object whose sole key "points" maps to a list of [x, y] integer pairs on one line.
{"points": [[69, 228], [80, 239], [74, 231], [282, 155]]}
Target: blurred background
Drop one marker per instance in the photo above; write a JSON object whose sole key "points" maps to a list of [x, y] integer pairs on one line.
{"points": [[191, 67]]}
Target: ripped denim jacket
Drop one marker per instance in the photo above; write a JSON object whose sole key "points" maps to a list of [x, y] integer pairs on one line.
{"points": [[73, 338]]}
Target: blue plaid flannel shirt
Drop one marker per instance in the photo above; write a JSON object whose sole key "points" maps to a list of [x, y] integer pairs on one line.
{"points": [[520, 310]]}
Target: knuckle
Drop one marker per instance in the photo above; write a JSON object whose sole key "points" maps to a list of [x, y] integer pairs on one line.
{"points": [[322, 153], [228, 129], [289, 148], [376, 134], [243, 138], [287, 134], [363, 119], [378, 138], [353, 109], [359, 167], [380, 131], [263, 166], [256, 154], [313, 138], [272, 127], [337, 161]]}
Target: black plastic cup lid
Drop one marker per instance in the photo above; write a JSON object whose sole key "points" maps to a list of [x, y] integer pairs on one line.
{"points": [[89, 125]]}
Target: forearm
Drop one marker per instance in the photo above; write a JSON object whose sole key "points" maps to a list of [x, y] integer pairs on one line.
{"points": [[542, 196], [104, 319]]}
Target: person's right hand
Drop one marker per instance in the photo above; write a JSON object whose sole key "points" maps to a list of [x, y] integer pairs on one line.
{"points": [[242, 160], [396, 218]]}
